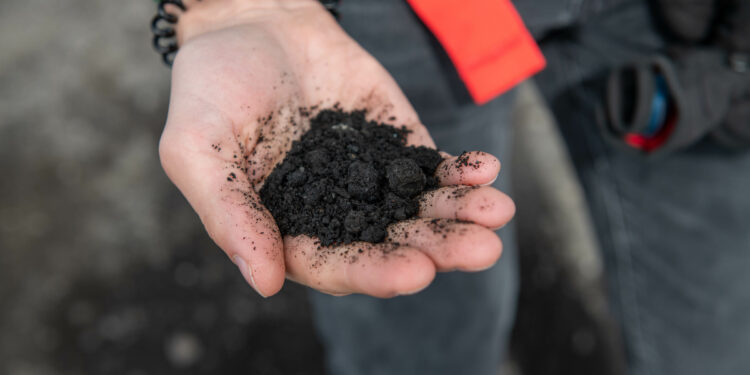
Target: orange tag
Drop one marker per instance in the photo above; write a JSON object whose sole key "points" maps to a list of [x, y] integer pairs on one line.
{"points": [[488, 43]]}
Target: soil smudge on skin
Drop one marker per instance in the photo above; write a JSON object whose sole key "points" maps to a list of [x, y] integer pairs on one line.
{"points": [[347, 179]]}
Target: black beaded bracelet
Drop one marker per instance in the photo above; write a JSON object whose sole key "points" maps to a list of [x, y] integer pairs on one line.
{"points": [[162, 27]]}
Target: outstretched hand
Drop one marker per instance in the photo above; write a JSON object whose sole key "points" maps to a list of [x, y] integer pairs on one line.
{"points": [[243, 83]]}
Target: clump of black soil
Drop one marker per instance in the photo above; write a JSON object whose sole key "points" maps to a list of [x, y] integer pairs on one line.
{"points": [[347, 179]]}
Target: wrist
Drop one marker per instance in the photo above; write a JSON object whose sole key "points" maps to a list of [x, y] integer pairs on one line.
{"points": [[210, 15]]}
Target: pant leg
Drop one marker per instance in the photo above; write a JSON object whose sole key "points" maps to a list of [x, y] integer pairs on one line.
{"points": [[459, 324], [675, 231]]}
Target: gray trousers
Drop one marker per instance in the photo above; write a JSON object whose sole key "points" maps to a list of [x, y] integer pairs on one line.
{"points": [[460, 323], [674, 231]]}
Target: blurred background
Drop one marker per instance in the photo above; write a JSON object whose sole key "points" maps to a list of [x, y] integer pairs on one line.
{"points": [[105, 269]]}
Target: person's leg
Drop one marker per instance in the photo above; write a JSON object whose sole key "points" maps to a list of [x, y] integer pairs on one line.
{"points": [[460, 324], [675, 230]]}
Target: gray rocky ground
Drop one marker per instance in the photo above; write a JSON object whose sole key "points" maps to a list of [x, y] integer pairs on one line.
{"points": [[104, 269]]}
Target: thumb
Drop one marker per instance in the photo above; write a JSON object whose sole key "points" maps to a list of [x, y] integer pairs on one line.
{"points": [[227, 205]]}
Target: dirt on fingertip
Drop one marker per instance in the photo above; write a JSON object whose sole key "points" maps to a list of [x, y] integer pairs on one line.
{"points": [[347, 178]]}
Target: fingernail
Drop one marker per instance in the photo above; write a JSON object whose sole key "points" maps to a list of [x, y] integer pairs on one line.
{"points": [[246, 272], [491, 182], [412, 292]]}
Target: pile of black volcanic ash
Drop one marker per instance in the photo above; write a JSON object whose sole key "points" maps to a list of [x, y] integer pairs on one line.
{"points": [[347, 179]]}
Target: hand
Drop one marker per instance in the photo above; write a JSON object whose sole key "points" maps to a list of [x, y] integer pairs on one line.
{"points": [[244, 70]]}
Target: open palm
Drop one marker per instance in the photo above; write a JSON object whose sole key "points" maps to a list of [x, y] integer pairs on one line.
{"points": [[244, 85]]}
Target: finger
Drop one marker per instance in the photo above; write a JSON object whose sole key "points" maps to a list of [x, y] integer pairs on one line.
{"points": [[482, 205], [469, 168], [381, 270], [450, 244], [220, 192]]}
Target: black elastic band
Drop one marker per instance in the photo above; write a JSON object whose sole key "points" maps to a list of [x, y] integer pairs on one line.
{"points": [[162, 26]]}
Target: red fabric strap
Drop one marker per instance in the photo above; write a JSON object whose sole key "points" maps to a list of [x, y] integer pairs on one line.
{"points": [[655, 141], [488, 43]]}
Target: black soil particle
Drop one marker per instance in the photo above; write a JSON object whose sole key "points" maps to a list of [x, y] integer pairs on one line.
{"points": [[347, 179]]}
